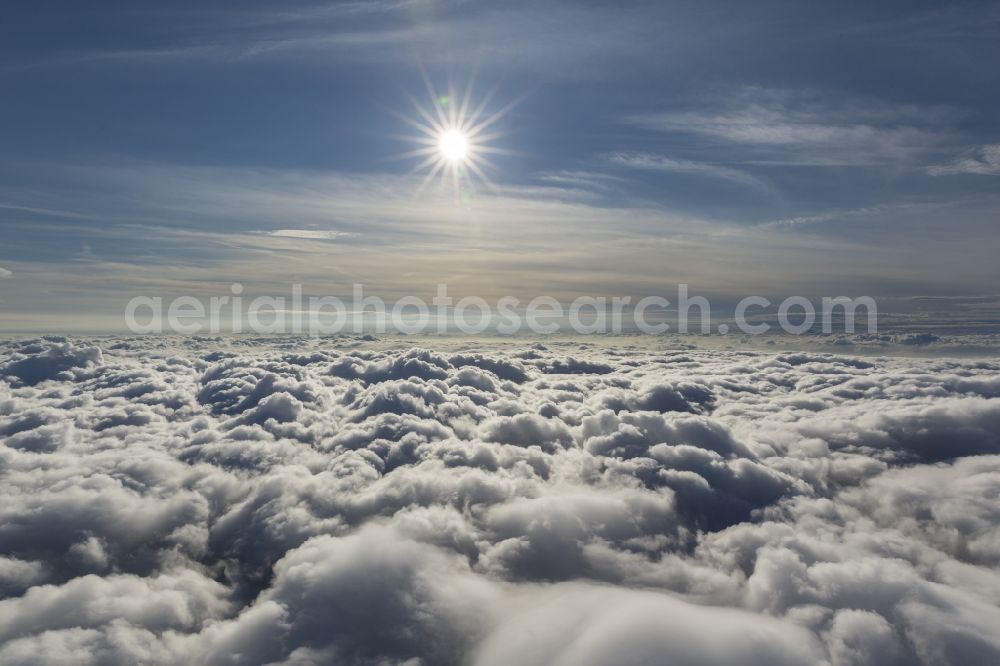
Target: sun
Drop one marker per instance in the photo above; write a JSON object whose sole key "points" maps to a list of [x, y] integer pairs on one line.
{"points": [[455, 136], [454, 145]]}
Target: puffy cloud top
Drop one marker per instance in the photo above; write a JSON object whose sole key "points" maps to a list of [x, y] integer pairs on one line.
{"points": [[245, 501]]}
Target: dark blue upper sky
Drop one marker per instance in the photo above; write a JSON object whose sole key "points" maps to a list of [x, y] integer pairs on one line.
{"points": [[768, 146]]}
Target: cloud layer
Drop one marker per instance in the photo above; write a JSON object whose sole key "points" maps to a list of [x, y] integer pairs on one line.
{"points": [[283, 501]]}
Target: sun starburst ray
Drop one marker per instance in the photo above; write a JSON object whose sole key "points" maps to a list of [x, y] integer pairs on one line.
{"points": [[452, 140]]}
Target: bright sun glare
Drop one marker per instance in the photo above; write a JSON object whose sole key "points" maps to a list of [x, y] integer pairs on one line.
{"points": [[453, 145], [455, 136]]}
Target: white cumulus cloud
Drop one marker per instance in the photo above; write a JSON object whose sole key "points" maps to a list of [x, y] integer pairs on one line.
{"points": [[362, 501]]}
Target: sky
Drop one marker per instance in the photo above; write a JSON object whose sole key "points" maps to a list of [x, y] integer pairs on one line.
{"points": [[771, 148]]}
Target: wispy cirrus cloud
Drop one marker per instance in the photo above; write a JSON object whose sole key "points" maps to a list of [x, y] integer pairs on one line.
{"points": [[582, 181], [982, 160], [312, 234], [399, 32], [650, 162], [45, 212], [778, 127], [167, 229], [800, 221]]}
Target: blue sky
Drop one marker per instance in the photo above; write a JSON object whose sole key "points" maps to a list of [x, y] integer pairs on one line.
{"points": [[767, 147]]}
